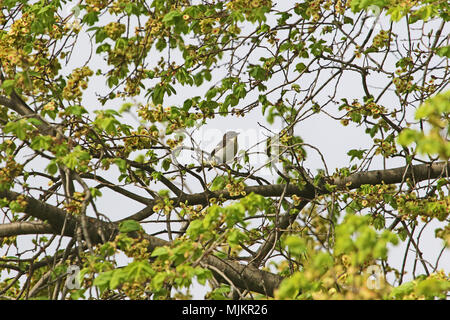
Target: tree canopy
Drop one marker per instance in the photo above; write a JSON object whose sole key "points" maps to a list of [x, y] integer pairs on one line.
{"points": [[106, 189]]}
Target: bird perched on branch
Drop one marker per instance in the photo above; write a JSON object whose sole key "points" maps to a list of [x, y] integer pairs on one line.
{"points": [[226, 150]]}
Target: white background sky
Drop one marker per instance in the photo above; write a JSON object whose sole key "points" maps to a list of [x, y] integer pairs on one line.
{"points": [[331, 138]]}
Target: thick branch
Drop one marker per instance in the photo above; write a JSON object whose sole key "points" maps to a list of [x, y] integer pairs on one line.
{"points": [[416, 173], [20, 228], [57, 218]]}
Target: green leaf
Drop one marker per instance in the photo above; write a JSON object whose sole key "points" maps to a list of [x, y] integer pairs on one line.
{"points": [[131, 8], [52, 167], [34, 121], [76, 110], [91, 18], [166, 164], [160, 251], [289, 287], [169, 18], [19, 128], [78, 294], [129, 226], [125, 107], [118, 276], [432, 288], [296, 245], [121, 164], [408, 136], [70, 160], [8, 86], [103, 279], [354, 153], [300, 67], [323, 261], [195, 228], [161, 44], [439, 105], [158, 280], [41, 142], [443, 51], [139, 271], [95, 192], [112, 81], [218, 183], [402, 290], [73, 159], [235, 236], [396, 13], [202, 275], [109, 124], [358, 5], [348, 20]]}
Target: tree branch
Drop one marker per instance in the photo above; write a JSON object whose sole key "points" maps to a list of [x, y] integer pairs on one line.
{"points": [[418, 173], [20, 228], [390, 176]]}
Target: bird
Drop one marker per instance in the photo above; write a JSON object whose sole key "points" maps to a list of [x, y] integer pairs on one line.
{"points": [[226, 150]]}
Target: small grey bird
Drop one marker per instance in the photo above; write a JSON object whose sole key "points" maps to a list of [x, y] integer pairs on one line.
{"points": [[226, 150]]}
